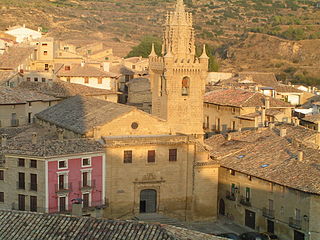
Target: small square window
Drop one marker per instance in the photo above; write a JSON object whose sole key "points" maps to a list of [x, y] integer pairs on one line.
{"points": [[35, 79], [1, 175], [21, 162], [1, 196], [151, 156], [127, 156], [86, 162], [172, 155], [28, 79], [33, 163], [100, 80], [67, 68], [43, 79], [45, 52], [62, 164], [44, 44], [86, 80]]}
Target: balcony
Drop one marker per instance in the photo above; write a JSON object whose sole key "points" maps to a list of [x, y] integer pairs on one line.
{"points": [[33, 187], [63, 187], [21, 185], [14, 122], [230, 196], [88, 185], [244, 201], [295, 223], [268, 213]]}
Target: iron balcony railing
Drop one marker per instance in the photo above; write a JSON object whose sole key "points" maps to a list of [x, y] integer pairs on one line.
{"points": [[33, 187], [244, 201], [21, 185], [230, 196], [14, 122], [89, 184], [63, 187], [295, 223], [268, 213]]}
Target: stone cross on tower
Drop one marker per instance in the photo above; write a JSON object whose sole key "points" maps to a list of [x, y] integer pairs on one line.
{"points": [[178, 36]]}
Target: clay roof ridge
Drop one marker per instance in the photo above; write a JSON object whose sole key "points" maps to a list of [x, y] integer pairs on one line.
{"points": [[247, 100]]}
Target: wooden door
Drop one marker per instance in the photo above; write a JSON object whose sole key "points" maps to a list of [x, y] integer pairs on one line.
{"points": [[148, 201], [250, 219]]}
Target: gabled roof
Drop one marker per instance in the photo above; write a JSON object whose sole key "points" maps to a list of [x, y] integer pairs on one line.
{"points": [[22, 96], [241, 98], [25, 225], [76, 70], [7, 75], [81, 114], [15, 56], [62, 89], [266, 155], [47, 144], [312, 118]]}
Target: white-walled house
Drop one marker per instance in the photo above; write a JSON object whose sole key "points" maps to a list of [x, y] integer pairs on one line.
{"points": [[87, 75], [23, 34]]}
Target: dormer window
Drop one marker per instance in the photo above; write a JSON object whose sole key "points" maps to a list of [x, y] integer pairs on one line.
{"points": [[185, 86]]}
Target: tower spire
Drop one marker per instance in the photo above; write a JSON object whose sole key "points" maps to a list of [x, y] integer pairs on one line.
{"points": [[180, 6], [153, 52]]}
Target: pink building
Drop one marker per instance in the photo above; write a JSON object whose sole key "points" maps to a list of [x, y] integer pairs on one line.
{"points": [[75, 179]]}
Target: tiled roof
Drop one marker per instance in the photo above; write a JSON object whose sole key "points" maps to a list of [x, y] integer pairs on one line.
{"points": [[81, 114], [258, 79], [63, 89], [38, 226], [76, 70], [47, 143], [121, 69], [266, 155], [15, 56], [22, 96], [312, 118], [6, 75], [241, 98]]}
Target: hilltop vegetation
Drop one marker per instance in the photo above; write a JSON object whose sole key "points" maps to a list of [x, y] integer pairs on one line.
{"points": [[223, 24]]}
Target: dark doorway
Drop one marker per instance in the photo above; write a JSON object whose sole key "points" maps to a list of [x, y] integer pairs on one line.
{"points": [[298, 235], [250, 219], [222, 207], [148, 201], [270, 226]]}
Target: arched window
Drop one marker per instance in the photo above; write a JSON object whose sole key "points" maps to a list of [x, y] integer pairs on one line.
{"points": [[185, 86]]}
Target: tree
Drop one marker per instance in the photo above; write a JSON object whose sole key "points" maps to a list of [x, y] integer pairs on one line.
{"points": [[143, 49], [213, 64]]}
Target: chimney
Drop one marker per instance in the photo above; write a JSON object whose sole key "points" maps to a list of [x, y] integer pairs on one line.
{"points": [[106, 66], [4, 138], [76, 207], [271, 126], [267, 102], [283, 132], [34, 138], [60, 134], [300, 156], [318, 136], [263, 117], [229, 137], [296, 121]]}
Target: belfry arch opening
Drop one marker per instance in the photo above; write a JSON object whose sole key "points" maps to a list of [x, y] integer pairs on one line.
{"points": [[185, 86]]}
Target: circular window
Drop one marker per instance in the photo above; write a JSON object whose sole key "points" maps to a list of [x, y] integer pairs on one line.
{"points": [[134, 125]]}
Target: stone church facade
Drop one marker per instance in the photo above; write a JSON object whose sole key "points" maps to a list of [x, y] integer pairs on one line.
{"points": [[153, 162]]}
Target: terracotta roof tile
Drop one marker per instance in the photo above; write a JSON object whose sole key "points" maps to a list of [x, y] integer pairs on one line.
{"points": [[22, 96], [76, 70], [15, 56], [266, 155], [81, 114], [241, 98], [63, 89], [38, 226]]}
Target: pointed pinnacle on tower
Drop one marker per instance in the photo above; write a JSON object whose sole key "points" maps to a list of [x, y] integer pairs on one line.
{"points": [[153, 52], [204, 52], [180, 6]]}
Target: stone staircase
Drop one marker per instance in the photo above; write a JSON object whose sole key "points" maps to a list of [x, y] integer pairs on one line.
{"points": [[157, 218]]}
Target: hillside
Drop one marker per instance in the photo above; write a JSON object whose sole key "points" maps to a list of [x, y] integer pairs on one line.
{"points": [[221, 23]]}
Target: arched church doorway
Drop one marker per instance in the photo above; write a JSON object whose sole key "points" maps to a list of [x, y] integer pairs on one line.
{"points": [[148, 201], [222, 207]]}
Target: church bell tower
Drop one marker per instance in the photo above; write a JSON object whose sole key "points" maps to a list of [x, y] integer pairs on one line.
{"points": [[178, 76]]}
